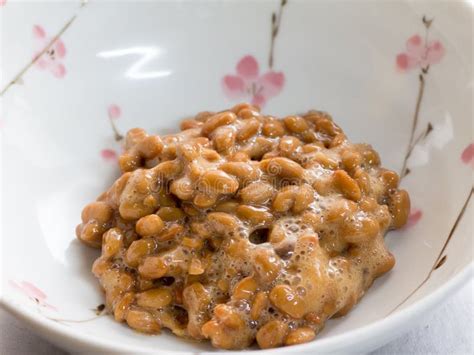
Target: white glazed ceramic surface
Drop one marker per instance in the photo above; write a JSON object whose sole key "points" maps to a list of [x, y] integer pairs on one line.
{"points": [[150, 64]]}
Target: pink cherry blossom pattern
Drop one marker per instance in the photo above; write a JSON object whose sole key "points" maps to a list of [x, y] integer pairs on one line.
{"points": [[50, 60], [467, 155], [109, 155], [114, 111], [249, 84], [415, 215], [420, 53], [33, 292]]}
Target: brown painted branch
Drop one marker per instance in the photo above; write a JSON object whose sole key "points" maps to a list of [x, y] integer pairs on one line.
{"points": [[45, 49], [420, 137], [60, 320], [276, 19], [118, 136], [414, 125]]}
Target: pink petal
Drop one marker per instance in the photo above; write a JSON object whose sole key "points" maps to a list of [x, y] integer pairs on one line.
{"points": [[108, 154], [435, 52], [405, 62], [58, 70], [114, 111], [415, 46], [3, 2], [32, 291], [38, 32], [60, 48], [414, 218], [247, 68], [402, 61], [42, 62], [271, 83], [259, 100], [233, 86], [48, 306], [467, 155]]}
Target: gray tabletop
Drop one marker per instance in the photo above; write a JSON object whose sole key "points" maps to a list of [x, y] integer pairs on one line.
{"points": [[449, 330]]}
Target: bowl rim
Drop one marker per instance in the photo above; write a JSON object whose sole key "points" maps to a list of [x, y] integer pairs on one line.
{"points": [[49, 329]]}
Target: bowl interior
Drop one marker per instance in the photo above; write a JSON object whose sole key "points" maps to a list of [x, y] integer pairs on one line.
{"points": [[147, 64]]}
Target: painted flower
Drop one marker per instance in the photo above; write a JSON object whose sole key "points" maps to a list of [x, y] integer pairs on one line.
{"points": [[33, 292], [51, 59], [420, 53], [248, 83], [114, 111], [414, 217], [108, 155], [467, 155], [3, 2]]}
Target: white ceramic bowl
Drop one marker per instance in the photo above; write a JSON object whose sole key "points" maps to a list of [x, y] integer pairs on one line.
{"points": [[149, 64]]}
